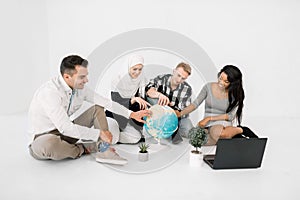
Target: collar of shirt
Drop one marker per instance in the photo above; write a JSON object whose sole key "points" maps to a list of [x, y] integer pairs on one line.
{"points": [[65, 86]]}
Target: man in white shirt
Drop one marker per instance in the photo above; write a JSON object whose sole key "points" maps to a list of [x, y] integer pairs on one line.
{"points": [[54, 134]]}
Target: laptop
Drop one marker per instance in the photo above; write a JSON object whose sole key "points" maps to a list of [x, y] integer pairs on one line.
{"points": [[237, 153]]}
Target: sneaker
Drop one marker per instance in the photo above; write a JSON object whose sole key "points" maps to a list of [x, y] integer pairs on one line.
{"points": [[176, 138], [239, 136], [142, 140], [247, 132], [110, 157]]}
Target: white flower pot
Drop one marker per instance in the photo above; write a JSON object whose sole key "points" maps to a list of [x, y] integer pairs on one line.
{"points": [[143, 156], [196, 159]]}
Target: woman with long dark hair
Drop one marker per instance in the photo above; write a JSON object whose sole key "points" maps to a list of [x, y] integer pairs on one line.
{"points": [[223, 104]]}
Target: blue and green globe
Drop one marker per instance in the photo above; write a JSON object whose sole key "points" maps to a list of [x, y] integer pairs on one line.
{"points": [[162, 123]]}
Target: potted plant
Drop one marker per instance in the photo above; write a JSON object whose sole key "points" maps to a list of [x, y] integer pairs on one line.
{"points": [[143, 153], [197, 138]]}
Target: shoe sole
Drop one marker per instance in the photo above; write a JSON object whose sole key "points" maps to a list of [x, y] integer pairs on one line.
{"points": [[177, 141], [114, 162]]}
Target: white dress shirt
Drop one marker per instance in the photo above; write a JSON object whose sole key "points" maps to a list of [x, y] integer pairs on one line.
{"points": [[49, 109]]}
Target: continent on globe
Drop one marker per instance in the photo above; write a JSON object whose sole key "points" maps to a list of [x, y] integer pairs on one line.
{"points": [[162, 123]]}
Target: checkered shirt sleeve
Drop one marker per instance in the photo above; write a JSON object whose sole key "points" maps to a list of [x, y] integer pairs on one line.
{"points": [[181, 97]]}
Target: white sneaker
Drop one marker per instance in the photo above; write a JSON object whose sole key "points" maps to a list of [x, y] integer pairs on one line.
{"points": [[110, 157]]}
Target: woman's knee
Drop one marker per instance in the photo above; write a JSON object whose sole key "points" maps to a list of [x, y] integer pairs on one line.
{"points": [[130, 137], [225, 134]]}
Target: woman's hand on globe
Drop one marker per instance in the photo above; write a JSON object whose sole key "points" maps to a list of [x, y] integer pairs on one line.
{"points": [[143, 104]]}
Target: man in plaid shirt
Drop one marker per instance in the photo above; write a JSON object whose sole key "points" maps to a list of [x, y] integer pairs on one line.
{"points": [[172, 90]]}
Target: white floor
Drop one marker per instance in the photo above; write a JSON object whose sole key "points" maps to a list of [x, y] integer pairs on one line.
{"points": [[22, 177]]}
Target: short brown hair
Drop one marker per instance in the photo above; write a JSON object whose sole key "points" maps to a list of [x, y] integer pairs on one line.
{"points": [[186, 67]]}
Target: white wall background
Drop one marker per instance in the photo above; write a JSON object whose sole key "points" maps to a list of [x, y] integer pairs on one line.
{"points": [[262, 38], [24, 52]]}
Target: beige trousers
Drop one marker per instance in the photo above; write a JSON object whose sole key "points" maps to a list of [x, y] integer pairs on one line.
{"points": [[55, 146]]}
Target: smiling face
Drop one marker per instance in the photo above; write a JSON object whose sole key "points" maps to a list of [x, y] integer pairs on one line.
{"points": [[78, 78], [223, 82], [135, 71]]}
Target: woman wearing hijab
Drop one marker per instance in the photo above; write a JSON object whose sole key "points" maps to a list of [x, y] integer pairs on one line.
{"points": [[129, 90]]}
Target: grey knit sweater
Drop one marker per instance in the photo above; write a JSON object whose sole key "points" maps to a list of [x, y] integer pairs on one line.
{"points": [[214, 106]]}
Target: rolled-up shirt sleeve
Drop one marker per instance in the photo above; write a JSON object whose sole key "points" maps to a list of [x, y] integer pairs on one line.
{"points": [[108, 104]]}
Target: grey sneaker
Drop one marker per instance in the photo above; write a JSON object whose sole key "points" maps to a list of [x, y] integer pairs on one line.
{"points": [[110, 157], [176, 139]]}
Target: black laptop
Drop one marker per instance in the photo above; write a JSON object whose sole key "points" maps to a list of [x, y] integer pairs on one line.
{"points": [[237, 153]]}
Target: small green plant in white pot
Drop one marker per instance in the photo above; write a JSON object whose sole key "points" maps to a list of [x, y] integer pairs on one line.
{"points": [[197, 138], [143, 153]]}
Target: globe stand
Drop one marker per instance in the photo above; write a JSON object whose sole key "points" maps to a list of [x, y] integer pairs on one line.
{"points": [[160, 142]]}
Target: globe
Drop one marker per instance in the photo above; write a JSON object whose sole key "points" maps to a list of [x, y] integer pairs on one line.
{"points": [[162, 123]]}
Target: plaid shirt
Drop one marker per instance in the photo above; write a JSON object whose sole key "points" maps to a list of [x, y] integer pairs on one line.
{"points": [[180, 97]]}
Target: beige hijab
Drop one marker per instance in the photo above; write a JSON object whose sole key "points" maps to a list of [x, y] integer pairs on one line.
{"points": [[125, 85]]}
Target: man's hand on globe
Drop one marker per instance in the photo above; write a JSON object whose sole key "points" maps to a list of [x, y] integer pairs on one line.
{"points": [[163, 100], [140, 114]]}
